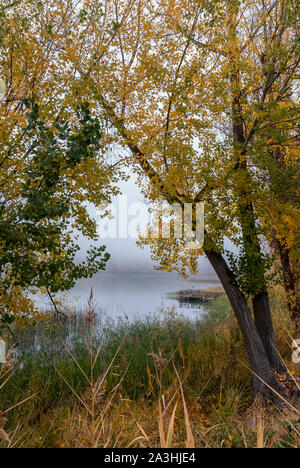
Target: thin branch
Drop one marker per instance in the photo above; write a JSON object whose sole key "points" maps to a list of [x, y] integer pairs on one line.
{"points": [[139, 155], [58, 312], [174, 84]]}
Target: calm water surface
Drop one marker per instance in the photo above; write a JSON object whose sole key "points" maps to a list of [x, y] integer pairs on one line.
{"points": [[138, 295]]}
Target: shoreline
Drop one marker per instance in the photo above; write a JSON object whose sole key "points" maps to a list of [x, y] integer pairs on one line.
{"points": [[198, 295]]}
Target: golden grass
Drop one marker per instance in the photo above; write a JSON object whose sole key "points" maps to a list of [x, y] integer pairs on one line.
{"points": [[209, 408]]}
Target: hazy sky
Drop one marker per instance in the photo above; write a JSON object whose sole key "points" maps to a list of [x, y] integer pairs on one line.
{"points": [[126, 256]]}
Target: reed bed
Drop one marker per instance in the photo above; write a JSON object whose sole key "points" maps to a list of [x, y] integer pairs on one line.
{"points": [[166, 381]]}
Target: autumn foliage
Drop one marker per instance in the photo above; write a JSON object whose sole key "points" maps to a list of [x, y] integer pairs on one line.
{"points": [[200, 99]]}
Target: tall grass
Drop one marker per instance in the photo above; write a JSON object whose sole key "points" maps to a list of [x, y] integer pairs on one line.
{"points": [[164, 381]]}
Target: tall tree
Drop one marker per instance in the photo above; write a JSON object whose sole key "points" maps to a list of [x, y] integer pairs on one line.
{"points": [[194, 90], [51, 164], [37, 246]]}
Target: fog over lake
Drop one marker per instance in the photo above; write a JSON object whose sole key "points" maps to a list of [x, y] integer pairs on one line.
{"points": [[136, 295], [131, 286]]}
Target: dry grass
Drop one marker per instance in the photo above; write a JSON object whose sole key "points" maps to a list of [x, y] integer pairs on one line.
{"points": [[144, 391]]}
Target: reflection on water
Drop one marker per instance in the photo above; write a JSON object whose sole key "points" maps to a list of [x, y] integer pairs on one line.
{"points": [[137, 295]]}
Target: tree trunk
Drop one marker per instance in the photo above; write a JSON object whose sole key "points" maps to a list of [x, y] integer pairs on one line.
{"points": [[289, 278], [255, 266], [256, 279], [264, 326], [264, 377]]}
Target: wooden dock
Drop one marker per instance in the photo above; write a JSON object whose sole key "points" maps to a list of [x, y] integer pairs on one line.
{"points": [[197, 295]]}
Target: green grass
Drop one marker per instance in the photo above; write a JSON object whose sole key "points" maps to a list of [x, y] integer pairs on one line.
{"points": [[204, 352], [42, 348]]}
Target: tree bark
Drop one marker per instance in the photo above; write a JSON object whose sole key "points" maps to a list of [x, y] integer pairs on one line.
{"points": [[255, 267], [264, 326], [265, 383], [289, 278]]}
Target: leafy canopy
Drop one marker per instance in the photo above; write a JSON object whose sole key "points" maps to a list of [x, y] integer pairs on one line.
{"points": [[52, 164]]}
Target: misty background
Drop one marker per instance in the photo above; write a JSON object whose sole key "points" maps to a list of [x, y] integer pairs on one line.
{"points": [[130, 287], [126, 256]]}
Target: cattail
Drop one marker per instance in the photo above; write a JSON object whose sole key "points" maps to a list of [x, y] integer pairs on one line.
{"points": [[159, 360], [90, 311]]}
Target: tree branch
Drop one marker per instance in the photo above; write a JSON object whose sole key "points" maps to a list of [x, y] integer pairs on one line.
{"points": [[139, 155]]}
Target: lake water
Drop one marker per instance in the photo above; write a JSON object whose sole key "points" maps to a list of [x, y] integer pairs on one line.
{"points": [[138, 295]]}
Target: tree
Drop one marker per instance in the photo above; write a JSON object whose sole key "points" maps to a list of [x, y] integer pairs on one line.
{"points": [[285, 215], [37, 246], [51, 167], [198, 92], [194, 90]]}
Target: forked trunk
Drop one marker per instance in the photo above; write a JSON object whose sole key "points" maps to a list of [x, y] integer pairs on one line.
{"points": [[259, 336], [265, 384]]}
